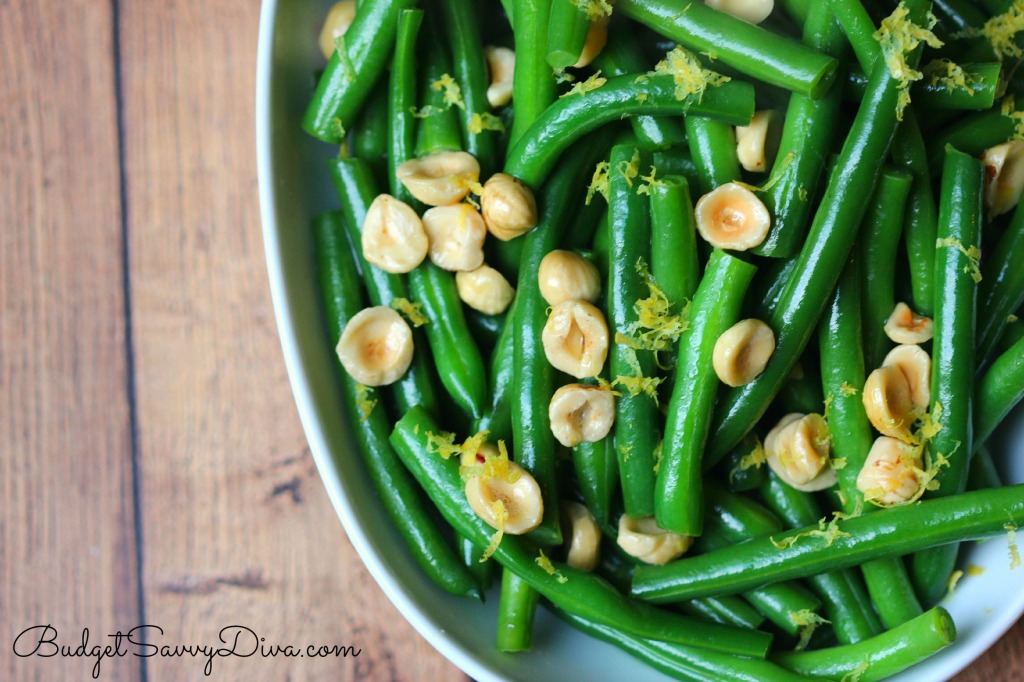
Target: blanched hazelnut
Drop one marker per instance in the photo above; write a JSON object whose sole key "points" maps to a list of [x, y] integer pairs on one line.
{"points": [[906, 326], [732, 217], [887, 402], [597, 38], [584, 536], [520, 499], [501, 63], [575, 339], [797, 450], [393, 237], [376, 346], [581, 414], [750, 11], [508, 207], [916, 366], [742, 352], [891, 472], [757, 143], [644, 539], [564, 275], [339, 18], [1004, 176], [456, 235], [485, 289], [440, 179]]}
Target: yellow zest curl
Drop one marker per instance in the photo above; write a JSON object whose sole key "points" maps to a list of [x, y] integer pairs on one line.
{"points": [[689, 76], [754, 459], [599, 181], [595, 9], [972, 253], [411, 311], [545, 563], [1011, 538], [950, 75], [899, 37], [855, 674], [452, 91], [1001, 31], [592, 83], [500, 516], [808, 621], [485, 121], [363, 402]]}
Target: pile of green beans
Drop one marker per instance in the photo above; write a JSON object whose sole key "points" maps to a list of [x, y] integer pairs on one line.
{"points": [[883, 190]]}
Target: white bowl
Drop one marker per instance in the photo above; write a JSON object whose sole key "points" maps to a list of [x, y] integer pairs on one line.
{"points": [[294, 187]]}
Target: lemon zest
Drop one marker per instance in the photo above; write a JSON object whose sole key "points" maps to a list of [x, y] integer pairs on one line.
{"points": [[478, 123], [452, 91], [443, 444], [974, 570], [838, 463], [689, 76], [949, 75], [500, 517], [1000, 31], [752, 460], [829, 399], [657, 455], [563, 76], [1008, 108], [898, 37], [1011, 318], [595, 9], [830, 531], [848, 390], [972, 253], [589, 85], [545, 563], [808, 621], [655, 327], [343, 59], [629, 170], [599, 181], [410, 310], [649, 181], [855, 674], [363, 402], [1011, 538], [954, 579]]}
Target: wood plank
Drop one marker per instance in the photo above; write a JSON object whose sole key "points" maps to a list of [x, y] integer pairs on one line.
{"points": [[1003, 662], [237, 526], [67, 524]]}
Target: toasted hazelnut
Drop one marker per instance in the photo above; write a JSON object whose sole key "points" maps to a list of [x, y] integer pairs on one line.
{"points": [[891, 472], [757, 143], [508, 207], [732, 217], [742, 352], [1004, 176], [916, 366], [597, 38], [750, 11], [887, 402], [520, 498], [575, 339], [393, 237], [376, 346], [485, 289], [581, 414], [456, 235], [501, 62], [564, 275], [339, 18], [584, 536], [797, 450], [644, 539], [439, 179], [906, 326]]}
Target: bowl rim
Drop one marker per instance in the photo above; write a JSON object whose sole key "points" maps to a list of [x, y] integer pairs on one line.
{"points": [[465, 658]]}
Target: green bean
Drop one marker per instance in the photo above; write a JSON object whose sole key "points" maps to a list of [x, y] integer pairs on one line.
{"points": [[370, 140], [885, 533], [958, 15], [930, 94], [1013, 333], [485, 328], [748, 48], [402, 100], [516, 609], [859, 30], [998, 391], [879, 657], [497, 418], [533, 381], [802, 391], [798, 10], [716, 307], [1001, 290], [880, 237], [533, 87], [571, 116], [581, 593], [820, 262], [597, 473], [346, 82], [342, 297], [356, 188], [483, 571], [973, 134], [470, 71], [567, 33], [960, 216], [636, 413], [684, 663], [807, 135], [845, 598], [438, 129], [741, 470], [622, 55], [842, 369], [908, 150], [713, 149], [674, 259], [771, 281], [723, 610]]}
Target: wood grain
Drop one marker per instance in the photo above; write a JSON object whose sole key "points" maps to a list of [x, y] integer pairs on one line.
{"points": [[236, 524], [67, 547]]}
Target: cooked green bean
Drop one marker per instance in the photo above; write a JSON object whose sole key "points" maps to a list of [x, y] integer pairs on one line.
{"points": [[1001, 290], [533, 85], [402, 100], [674, 260], [517, 606], [1000, 389], [932, 94], [713, 149], [567, 33]]}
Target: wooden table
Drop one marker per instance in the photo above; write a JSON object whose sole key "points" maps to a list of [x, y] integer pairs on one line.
{"points": [[153, 466]]}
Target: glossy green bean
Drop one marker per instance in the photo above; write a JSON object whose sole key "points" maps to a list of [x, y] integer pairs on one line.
{"points": [[716, 306], [885, 533], [581, 593], [636, 415], [712, 146], [998, 391], [369, 137], [879, 657], [859, 29], [674, 259], [1001, 290], [880, 237], [356, 188], [517, 606], [740, 469], [972, 134], [724, 610], [843, 595], [807, 138], [438, 129], [929, 94], [483, 571], [748, 48], [570, 117], [597, 474], [533, 85], [402, 100], [497, 418], [346, 82], [343, 298], [567, 33], [960, 216], [820, 262]]}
